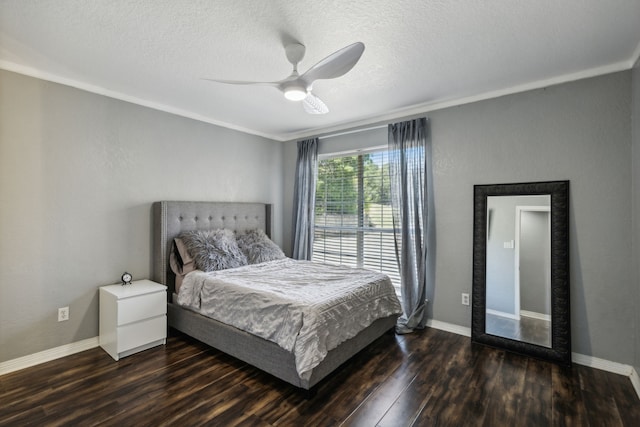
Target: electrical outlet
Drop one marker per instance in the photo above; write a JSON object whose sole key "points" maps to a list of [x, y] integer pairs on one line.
{"points": [[465, 299], [63, 314]]}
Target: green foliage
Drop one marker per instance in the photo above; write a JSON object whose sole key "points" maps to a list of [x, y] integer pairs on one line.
{"points": [[337, 186], [376, 183]]}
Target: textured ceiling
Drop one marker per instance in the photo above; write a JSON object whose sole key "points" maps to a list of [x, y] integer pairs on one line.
{"points": [[419, 54]]}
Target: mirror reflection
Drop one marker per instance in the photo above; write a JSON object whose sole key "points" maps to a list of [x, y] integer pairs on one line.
{"points": [[518, 268]]}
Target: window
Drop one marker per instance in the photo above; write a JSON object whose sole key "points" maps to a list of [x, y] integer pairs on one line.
{"points": [[353, 218]]}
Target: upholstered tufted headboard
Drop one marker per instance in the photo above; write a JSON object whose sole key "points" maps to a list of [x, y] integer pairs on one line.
{"points": [[172, 218]]}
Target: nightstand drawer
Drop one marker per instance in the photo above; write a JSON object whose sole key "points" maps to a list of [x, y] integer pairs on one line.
{"points": [[137, 334], [141, 307]]}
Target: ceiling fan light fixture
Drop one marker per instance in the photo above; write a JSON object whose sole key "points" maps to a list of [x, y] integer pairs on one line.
{"points": [[295, 93]]}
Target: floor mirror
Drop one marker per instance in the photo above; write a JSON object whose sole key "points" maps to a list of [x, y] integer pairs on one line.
{"points": [[521, 269]]}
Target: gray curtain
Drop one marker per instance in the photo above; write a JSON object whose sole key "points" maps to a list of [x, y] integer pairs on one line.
{"points": [[304, 196], [411, 199]]}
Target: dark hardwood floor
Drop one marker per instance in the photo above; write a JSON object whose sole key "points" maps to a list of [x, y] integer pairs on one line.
{"points": [[431, 378]]}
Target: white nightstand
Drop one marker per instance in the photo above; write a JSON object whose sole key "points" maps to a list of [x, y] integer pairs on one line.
{"points": [[132, 317]]}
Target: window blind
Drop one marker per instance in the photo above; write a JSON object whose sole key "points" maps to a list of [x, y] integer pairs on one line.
{"points": [[353, 217]]}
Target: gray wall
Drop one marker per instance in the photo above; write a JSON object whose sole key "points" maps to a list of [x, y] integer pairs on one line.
{"points": [[636, 205], [580, 131], [500, 260], [78, 174], [535, 263]]}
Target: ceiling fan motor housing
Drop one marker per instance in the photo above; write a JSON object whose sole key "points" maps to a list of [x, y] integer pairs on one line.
{"points": [[295, 53]]}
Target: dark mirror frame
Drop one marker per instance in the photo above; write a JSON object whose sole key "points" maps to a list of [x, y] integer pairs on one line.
{"points": [[560, 350]]}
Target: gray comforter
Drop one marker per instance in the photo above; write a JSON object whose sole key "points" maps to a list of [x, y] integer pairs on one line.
{"points": [[304, 307]]}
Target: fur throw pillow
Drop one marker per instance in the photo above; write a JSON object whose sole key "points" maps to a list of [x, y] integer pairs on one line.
{"points": [[257, 247], [213, 249]]}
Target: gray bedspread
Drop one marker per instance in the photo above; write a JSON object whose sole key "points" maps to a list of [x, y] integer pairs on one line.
{"points": [[304, 307]]}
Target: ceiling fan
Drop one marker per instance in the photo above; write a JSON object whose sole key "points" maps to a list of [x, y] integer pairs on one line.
{"points": [[297, 87]]}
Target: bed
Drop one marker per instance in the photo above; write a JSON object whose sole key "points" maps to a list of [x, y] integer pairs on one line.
{"points": [[170, 218]]}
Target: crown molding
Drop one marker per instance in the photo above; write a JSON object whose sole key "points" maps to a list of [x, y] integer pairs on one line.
{"points": [[400, 113], [42, 75], [427, 107]]}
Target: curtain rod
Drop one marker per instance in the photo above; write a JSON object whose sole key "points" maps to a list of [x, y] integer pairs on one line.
{"points": [[347, 132]]}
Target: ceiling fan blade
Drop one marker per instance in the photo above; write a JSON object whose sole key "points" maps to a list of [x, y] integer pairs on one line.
{"points": [[314, 105], [334, 65], [240, 82]]}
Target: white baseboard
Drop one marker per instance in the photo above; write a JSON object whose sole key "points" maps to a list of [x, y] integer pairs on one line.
{"points": [[449, 327], [635, 380], [609, 366], [534, 315], [605, 365], [580, 359], [503, 314], [47, 355]]}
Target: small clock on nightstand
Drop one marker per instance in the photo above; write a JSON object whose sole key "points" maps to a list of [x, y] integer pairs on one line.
{"points": [[126, 278]]}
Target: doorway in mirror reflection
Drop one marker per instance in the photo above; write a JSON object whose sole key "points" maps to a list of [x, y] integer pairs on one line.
{"points": [[518, 274]]}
